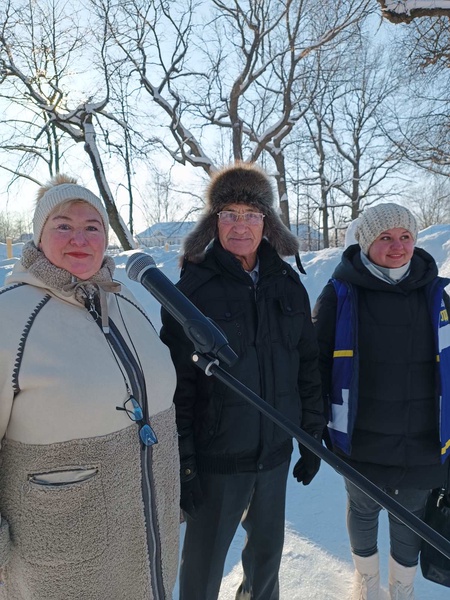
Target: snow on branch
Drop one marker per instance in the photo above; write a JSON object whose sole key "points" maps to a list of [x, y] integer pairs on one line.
{"points": [[404, 11]]}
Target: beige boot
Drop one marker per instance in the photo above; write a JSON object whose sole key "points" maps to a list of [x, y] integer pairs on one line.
{"points": [[401, 581], [366, 584]]}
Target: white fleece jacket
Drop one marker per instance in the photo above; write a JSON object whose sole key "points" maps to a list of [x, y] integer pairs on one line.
{"points": [[69, 380], [60, 384]]}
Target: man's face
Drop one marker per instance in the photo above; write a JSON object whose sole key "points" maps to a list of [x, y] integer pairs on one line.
{"points": [[241, 237]]}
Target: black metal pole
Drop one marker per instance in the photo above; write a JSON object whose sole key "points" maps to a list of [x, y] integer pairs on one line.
{"points": [[211, 367]]}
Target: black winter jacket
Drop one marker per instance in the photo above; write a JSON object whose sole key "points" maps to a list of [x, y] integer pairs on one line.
{"points": [[270, 329], [395, 441]]}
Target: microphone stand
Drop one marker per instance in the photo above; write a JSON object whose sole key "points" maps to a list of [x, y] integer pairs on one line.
{"points": [[211, 367]]}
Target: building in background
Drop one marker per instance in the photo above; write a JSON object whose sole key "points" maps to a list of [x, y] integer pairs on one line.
{"points": [[160, 234], [173, 232]]}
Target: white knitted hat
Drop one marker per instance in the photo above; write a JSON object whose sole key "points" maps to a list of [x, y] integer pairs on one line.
{"points": [[376, 219], [58, 194]]}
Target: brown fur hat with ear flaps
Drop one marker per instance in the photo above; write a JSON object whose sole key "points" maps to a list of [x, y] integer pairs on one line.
{"points": [[239, 183]]}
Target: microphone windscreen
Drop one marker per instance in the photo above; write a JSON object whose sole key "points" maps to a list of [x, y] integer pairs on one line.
{"points": [[137, 263]]}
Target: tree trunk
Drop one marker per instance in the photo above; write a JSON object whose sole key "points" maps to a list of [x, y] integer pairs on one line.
{"points": [[115, 220], [282, 187]]}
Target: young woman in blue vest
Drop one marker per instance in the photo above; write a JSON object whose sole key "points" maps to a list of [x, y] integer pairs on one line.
{"points": [[383, 330]]}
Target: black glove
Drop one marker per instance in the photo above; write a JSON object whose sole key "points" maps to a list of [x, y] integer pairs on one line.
{"points": [[191, 496], [308, 465]]}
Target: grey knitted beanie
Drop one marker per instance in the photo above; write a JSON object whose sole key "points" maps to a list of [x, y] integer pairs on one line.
{"points": [[59, 190], [376, 219]]}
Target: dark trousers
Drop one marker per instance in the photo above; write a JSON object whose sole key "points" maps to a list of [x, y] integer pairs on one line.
{"points": [[362, 523], [256, 499]]}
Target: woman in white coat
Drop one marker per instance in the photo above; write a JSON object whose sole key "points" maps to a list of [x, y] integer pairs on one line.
{"points": [[89, 459]]}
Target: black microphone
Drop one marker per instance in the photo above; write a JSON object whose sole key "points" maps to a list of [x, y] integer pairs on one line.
{"points": [[203, 333]]}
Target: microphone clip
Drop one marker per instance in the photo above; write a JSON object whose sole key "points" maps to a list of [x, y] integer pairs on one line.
{"points": [[201, 361]]}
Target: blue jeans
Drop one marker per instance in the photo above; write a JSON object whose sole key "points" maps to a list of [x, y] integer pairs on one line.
{"points": [[362, 523]]}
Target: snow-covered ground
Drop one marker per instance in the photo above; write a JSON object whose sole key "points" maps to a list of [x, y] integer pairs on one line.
{"points": [[316, 561]]}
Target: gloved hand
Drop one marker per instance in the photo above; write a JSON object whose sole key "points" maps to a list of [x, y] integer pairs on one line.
{"points": [[191, 496], [308, 465]]}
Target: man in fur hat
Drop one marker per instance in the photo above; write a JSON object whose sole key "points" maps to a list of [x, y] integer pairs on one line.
{"points": [[234, 460]]}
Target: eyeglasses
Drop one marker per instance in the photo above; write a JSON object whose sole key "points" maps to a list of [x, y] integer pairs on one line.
{"points": [[229, 217], [134, 411]]}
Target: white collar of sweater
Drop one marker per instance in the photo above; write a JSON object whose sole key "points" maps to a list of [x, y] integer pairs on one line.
{"points": [[392, 276]]}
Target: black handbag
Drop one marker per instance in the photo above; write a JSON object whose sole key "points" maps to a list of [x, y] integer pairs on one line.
{"points": [[435, 566]]}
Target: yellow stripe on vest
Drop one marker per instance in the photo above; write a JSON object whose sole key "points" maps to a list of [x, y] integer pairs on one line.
{"points": [[445, 448], [342, 353]]}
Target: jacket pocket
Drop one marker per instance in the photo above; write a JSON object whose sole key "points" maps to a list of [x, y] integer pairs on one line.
{"points": [[287, 325], [64, 519], [233, 323], [56, 478], [208, 421]]}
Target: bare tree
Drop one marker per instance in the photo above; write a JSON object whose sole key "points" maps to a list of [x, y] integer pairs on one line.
{"points": [[352, 161], [242, 70], [28, 135], [271, 83], [430, 201], [13, 225], [39, 45], [154, 38], [357, 126], [423, 132], [160, 202], [123, 144], [429, 41]]}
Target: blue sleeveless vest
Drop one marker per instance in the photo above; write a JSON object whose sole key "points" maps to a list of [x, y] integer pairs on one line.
{"points": [[345, 371]]}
